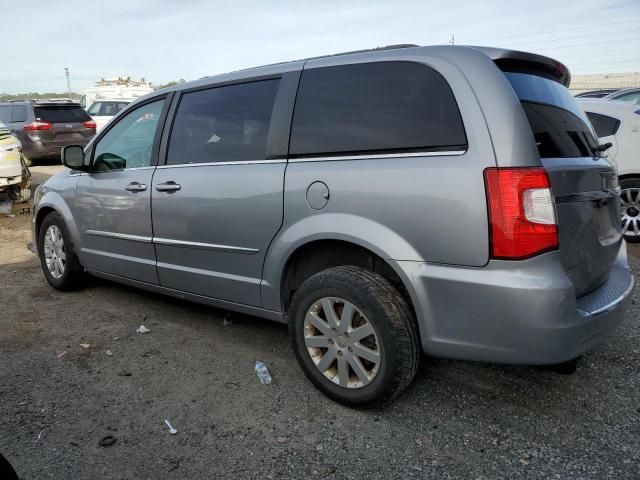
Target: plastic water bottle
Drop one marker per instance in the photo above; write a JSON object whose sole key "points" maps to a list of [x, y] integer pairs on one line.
{"points": [[263, 373]]}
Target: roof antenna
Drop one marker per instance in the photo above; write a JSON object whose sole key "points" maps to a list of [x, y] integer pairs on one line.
{"points": [[452, 39]]}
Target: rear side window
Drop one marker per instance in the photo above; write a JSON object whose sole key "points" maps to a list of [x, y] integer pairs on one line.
{"points": [[604, 125], [560, 127], [5, 113], [375, 107], [111, 108], [61, 114], [13, 113], [223, 124]]}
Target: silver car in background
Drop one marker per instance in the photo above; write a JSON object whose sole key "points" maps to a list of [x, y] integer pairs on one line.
{"points": [[447, 200]]}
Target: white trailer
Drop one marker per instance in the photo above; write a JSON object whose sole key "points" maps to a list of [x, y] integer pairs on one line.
{"points": [[115, 88]]}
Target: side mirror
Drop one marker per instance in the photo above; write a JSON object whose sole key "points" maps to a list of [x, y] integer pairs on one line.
{"points": [[73, 157]]}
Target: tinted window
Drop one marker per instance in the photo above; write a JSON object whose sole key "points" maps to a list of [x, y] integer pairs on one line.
{"points": [[560, 127], [375, 106], [19, 113], [13, 113], [603, 124], [111, 108], [633, 97], [223, 124], [128, 144], [61, 114], [5, 113]]}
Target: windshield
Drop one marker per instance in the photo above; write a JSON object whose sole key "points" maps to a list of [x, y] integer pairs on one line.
{"points": [[560, 127]]}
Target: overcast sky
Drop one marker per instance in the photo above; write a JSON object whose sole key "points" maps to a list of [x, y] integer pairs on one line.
{"points": [[165, 40]]}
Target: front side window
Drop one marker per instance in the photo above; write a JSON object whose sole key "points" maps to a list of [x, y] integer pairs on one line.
{"points": [[223, 124], [604, 125], [375, 107], [95, 109], [129, 143]]}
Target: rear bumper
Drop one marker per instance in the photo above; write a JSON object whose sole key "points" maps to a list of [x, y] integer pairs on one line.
{"points": [[514, 312]]}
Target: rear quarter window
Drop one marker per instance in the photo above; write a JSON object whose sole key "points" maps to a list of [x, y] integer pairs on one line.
{"points": [[604, 125], [61, 114], [375, 107], [560, 127]]}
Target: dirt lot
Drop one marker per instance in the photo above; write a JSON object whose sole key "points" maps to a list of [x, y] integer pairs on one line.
{"points": [[459, 420]]}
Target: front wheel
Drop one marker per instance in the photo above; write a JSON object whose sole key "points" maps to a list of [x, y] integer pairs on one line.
{"points": [[354, 336], [630, 198], [59, 262]]}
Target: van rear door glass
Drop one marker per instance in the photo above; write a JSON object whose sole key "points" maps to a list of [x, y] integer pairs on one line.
{"points": [[61, 114], [560, 127]]}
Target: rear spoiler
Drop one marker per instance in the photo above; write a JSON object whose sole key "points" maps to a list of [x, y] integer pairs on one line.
{"points": [[524, 62]]}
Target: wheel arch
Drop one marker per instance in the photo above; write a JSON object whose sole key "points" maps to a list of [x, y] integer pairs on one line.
{"points": [[52, 202], [321, 233], [630, 176]]}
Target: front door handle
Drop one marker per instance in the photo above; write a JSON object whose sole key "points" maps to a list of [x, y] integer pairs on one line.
{"points": [[136, 187], [168, 187]]}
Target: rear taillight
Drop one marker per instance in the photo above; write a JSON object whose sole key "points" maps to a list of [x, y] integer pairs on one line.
{"points": [[37, 125], [89, 124], [521, 212]]}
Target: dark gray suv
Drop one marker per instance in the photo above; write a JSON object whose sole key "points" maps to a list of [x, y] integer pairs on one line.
{"points": [[447, 200], [45, 126]]}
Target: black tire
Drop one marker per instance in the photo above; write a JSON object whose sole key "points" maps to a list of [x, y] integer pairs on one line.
{"points": [[73, 275], [625, 184], [388, 313]]}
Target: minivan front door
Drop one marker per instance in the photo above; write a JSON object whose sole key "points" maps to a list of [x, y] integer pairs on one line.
{"points": [[113, 201], [217, 203]]}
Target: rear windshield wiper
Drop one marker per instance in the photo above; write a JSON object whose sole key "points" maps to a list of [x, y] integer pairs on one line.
{"points": [[599, 149]]}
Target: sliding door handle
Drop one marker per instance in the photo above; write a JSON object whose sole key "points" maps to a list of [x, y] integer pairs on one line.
{"points": [[168, 187]]}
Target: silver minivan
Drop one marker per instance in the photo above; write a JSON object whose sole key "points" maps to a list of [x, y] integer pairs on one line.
{"points": [[446, 200]]}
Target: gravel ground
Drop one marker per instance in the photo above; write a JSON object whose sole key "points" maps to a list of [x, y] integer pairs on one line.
{"points": [[458, 420]]}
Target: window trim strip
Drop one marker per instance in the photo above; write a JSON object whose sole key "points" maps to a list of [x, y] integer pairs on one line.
{"points": [[373, 156]]}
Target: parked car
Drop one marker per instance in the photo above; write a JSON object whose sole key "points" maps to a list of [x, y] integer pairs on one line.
{"points": [[597, 93], [618, 123], [104, 110], [15, 178], [45, 126], [631, 95], [445, 199]]}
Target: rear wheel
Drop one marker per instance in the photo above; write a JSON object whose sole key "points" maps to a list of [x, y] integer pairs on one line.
{"points": [[354, 336], [59, 262], [630, 198]]}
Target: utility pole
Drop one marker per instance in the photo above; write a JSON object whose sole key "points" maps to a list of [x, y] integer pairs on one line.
{"points": [[66, 73], [452, 39]]}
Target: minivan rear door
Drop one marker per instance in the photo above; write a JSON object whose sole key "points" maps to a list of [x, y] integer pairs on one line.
{"points": [[68, 125], [218, 199], [583, 181]]}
